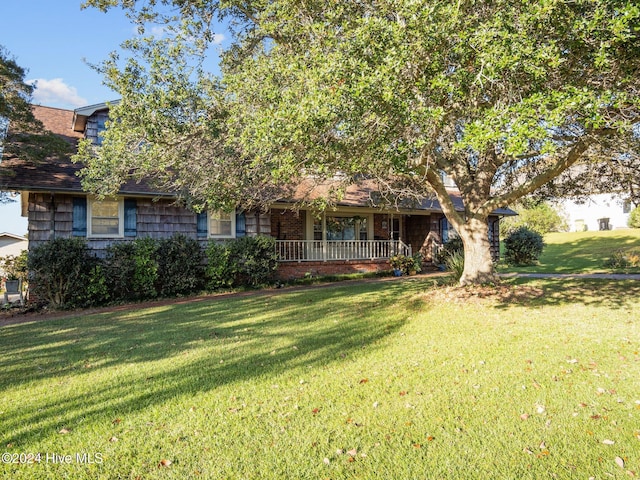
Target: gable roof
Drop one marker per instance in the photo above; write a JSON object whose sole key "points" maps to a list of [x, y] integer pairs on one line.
{"points": [[81, 115], [56, 173], [13, 236]]}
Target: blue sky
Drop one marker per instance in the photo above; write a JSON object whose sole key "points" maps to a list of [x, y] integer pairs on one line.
{"points": [[53, 40]]}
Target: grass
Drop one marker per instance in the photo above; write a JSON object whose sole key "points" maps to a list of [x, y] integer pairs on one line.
{"points": [[390, 379], [582, 252]]}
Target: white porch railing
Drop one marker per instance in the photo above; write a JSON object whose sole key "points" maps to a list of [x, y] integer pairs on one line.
{"points": [[318, 250]]}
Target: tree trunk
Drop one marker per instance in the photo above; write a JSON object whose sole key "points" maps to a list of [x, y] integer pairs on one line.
{"points": [[478, 264]]}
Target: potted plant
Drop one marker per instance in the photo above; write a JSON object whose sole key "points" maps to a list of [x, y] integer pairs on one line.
{"points": [[15, 269], [414, 264], [398, 263]]}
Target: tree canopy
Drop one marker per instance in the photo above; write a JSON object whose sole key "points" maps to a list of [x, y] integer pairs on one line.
{"points": [[506, 97], [21, 134]]}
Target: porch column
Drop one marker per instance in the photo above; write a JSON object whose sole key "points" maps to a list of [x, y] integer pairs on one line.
{"points": [[324, 237]]}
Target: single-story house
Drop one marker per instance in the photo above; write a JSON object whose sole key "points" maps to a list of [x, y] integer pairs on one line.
{"points": [[353, 236]]}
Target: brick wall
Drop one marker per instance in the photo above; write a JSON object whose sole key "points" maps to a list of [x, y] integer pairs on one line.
{"points": [[293, 270], [288, 225]]}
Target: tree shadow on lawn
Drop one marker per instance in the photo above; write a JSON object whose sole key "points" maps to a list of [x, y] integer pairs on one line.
{"points": [[613, 294], [244, 339], [588, 253], [534, 292]]}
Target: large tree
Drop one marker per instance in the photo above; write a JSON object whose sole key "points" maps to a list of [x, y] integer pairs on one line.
{"points": [[505, 97], [21, 134]]}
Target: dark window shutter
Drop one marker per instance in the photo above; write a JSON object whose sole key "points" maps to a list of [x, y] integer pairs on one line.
{"points": [[130, 218], [241, 225], [202, 229], [79, 224]]}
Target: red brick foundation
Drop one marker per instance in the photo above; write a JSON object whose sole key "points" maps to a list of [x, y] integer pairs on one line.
{"points": [[293, 270]]}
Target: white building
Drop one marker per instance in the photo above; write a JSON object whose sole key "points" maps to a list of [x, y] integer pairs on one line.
{"points": [[11, 244], [599, 212]]}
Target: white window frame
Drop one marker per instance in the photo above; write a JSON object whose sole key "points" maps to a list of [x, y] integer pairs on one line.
{"points": [[210, 218], [90, 203]]}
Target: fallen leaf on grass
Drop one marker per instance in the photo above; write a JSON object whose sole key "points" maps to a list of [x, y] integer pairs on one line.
{"points": [[524, 416], [64, 431], [116, 421], [113, 439], [353, 452], [315, 411], [326, 461], [364, 380], [620, 462], [608, 442], [164, 463]]}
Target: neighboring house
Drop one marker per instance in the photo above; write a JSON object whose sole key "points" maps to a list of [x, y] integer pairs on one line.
{"points": [[11, 244], [598, 212], [355, 236]]}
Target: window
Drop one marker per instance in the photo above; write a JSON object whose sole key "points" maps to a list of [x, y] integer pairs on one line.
{"points": [[341, 228], [105, 218], [222, 224], [219, 224]]}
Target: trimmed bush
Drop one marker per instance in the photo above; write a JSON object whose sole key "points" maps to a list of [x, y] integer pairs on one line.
{"points": [[523, 246], [180, 266], [247, 261], [60, 271], [131, 269], [219, 270], [255, 260]]}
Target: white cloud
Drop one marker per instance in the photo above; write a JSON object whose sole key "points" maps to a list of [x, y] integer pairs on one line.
{"points": [[55, 92], [218, 38], [160, 31]]}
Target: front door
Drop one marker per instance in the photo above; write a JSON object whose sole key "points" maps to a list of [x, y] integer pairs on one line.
{"points": [[395, 229]]}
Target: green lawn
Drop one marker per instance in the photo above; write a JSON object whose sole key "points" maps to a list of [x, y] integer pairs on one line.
{"points": [[582, 252], [390, 379]]}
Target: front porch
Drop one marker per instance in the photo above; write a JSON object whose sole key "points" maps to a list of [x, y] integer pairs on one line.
{"points": [[346, 250]]}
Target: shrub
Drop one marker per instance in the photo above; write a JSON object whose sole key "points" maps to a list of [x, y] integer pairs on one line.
{"points": [[452, 246], [623, 259], [60, 271], [247, 261], [255, 259], [131, 269], [455, 263], [180, 266], [523, 246], [634, 218], [219, 271]]}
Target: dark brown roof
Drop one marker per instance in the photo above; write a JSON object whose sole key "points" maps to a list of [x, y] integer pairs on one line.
{"points": [[367, 193], [59, 174], [54, 174]]}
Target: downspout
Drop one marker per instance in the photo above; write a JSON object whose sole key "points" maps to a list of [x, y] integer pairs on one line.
{"points": [[52, 223]]}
